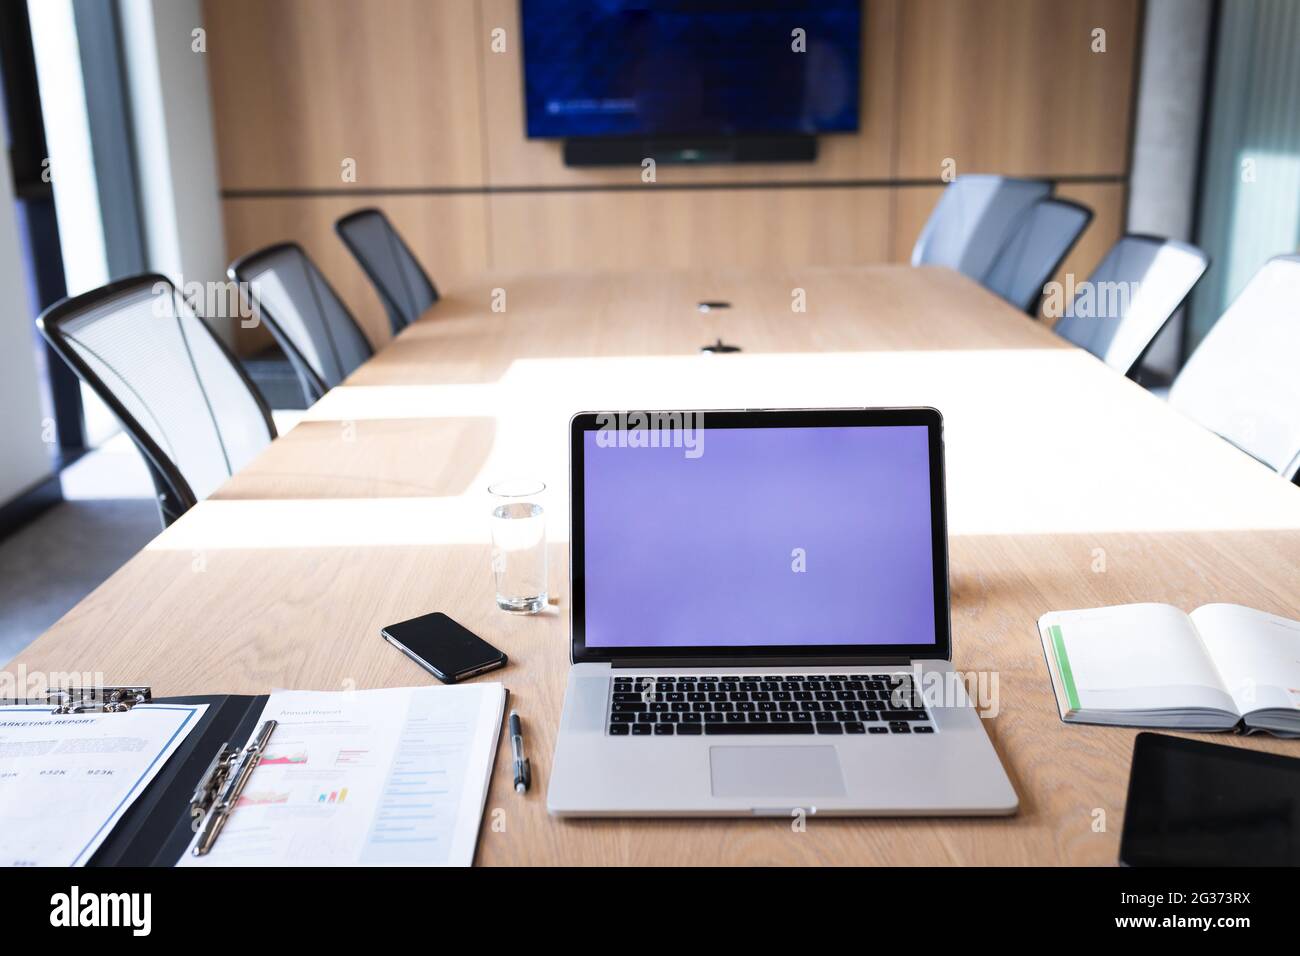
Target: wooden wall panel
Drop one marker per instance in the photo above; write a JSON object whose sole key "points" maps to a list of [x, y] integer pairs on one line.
{"points": [[412, 91], [1012, 86], [300, 85], [447, 233], [645, 229], [912, 205], [513, 159]]}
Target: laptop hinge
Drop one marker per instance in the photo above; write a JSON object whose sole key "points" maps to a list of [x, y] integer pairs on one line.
{"points": [[801, 662]]}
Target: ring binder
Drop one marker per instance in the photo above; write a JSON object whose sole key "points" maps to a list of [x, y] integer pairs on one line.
{"points": [[212, 781], [212, 756], [92, 700], [158, 826], [230, 774]]}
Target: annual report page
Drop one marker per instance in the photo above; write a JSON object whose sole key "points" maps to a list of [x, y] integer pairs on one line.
{"points": [[368, 777]]}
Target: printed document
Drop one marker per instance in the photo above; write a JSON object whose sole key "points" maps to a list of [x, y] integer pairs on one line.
{"points": [[66, 779], [393, 777]]}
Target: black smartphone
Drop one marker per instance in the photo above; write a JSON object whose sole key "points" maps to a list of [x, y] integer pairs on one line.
{"points": [[447, 650]]}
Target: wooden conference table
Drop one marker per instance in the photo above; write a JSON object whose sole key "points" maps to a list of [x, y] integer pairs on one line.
{"points": [[1068, 486]]}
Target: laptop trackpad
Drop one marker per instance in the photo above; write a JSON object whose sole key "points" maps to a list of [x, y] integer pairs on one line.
{"points": [[795, 772]]}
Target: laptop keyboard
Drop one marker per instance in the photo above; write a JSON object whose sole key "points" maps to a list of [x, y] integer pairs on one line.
{"points": [[758, 704]]}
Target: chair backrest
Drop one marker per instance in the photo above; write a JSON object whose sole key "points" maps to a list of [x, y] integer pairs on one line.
{"points": [[179, 393], [1243, 381], [304, 313], [403, 286], [1130, 296], [1036, 249], [973, 219]]}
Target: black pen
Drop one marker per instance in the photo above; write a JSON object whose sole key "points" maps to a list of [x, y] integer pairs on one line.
{"points": [[523, 775]]}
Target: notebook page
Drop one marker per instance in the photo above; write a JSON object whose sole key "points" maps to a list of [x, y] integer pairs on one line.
{"points": [[1257, 653], [1138, 657]]}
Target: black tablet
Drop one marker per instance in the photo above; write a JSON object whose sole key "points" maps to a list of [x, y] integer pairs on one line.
{"points": [[1192, 803]]}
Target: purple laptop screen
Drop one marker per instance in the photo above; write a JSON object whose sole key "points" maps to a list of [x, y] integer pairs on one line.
{"points": [[760, 536]]}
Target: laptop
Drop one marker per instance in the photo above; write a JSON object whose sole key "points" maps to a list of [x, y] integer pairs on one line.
{"points": [[760, 621]]}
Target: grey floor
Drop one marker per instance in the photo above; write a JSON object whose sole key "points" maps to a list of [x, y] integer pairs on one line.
{"points": [[108, 515], [52, 563]]}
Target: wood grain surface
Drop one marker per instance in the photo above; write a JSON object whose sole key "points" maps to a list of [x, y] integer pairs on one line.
{"points": [[1068, 487]]}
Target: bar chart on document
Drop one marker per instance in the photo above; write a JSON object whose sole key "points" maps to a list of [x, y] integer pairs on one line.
{"points": [[374, 777]]}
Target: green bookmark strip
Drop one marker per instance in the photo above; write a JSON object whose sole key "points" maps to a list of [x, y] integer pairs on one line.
{"points": [[1063, 665]]}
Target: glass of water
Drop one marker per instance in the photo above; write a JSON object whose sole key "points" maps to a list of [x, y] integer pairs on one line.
{"points": [[519, 546]]}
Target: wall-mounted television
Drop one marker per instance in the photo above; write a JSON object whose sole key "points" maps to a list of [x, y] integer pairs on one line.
{"points": [[690, 70]]}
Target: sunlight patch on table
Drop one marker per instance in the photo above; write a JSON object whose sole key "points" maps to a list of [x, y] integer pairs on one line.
{"points": [[340, 523], [1038, 441]]}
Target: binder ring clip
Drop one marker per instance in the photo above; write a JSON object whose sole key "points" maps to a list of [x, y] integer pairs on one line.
{"points": [[92, 700]]}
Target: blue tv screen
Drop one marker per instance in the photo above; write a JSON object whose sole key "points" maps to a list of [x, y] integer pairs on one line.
{"points": [[597, 68]]}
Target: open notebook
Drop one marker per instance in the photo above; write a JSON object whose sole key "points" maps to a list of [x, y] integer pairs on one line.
{"points": [[1222, 667]]}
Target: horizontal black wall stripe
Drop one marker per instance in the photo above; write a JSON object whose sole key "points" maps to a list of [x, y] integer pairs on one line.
{"points": [[356, 190]]}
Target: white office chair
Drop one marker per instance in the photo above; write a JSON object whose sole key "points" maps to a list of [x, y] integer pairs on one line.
{"points": [[1041, 241], [1243, 381], [1130, 297], [973, 220]]}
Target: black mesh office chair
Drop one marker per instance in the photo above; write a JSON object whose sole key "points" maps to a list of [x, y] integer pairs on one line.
{"points": [[403, 286], [1130, 297], [179, 393], [304, 313], [975, 216], [1036, 249]]}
